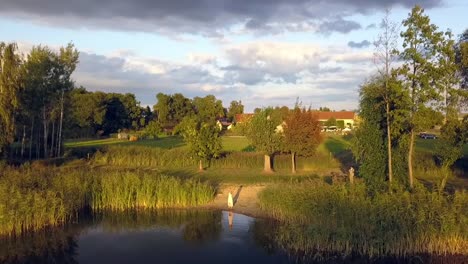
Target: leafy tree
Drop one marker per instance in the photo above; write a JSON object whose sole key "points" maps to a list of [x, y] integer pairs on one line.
{"points": [[450, 146], [384, 56], [162, 108], [152, 130], [331, 122], [461, 58], [10, 84], [301, 134], [263, 136], [208, 108], [171, 109], [448, 78], [368, 144], [236, 107], [419, 72], [202, 138], [324, 109]]}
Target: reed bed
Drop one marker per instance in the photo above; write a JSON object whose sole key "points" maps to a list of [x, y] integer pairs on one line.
{"points": [[34, 197], [344, 219], [130, 190]]}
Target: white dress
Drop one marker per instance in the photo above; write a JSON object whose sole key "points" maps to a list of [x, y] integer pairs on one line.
{"points": [[230, 201]]}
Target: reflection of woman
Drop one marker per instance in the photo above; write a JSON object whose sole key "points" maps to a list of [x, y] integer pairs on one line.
{"points": [[230, 218]]}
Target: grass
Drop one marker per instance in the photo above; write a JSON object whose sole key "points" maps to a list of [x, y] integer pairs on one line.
{"points": [[346, 220]]}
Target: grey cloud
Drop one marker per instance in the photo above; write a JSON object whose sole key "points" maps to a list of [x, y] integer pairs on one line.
{"points": [[207, 17], [362, 44], [339, 25], [371, 26]]}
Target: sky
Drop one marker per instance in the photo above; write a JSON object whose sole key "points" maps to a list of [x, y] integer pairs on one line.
{"points": [[262, 52]]}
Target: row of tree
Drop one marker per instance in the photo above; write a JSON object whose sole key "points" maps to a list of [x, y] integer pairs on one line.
{"points": [[427, 87], [270, 130], [32, 93], [170, 110]]}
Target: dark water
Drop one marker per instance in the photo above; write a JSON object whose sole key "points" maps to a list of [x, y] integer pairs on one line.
{"points": [[165, 237]]}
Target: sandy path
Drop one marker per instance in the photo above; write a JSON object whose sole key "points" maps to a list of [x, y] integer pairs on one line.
{"points": [[245, 199]]}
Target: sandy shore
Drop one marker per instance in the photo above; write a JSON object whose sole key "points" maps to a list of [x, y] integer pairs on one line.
{"points": [[245, 199]]}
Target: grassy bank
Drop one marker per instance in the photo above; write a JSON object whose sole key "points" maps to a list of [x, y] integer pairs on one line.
{"points": [[337, 218], [35, 197]]}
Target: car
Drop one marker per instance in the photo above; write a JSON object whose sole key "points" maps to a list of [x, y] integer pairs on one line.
{"points": [[427, 136]]}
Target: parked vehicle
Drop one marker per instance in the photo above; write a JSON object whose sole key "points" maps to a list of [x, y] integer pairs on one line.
{"points": [[427, 136]]}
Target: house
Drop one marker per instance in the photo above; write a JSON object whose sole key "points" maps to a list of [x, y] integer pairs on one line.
{"points": [[242, 118], [347, 117]]}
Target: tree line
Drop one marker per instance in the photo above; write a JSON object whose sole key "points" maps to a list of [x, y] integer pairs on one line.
{"points": [[418, 86]]}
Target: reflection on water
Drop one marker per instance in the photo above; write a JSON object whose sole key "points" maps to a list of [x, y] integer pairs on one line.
{"points": [[171, 236]]}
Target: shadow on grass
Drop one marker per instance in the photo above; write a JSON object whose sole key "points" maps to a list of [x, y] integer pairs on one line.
{"points": [[341, 152]]}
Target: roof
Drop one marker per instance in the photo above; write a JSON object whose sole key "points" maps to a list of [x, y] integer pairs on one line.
{"points": [[337, 115], [243, 117]]}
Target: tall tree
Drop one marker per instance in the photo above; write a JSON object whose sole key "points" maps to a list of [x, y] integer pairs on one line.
{"points": [[208, 107], [236, 107], [263, 136], [448, 78], [384, 56], [301, 134], [10, 84], [420, 41], [202, 138]]}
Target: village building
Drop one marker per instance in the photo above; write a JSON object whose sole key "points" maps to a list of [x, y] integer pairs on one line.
{"points": [[347, 118]]}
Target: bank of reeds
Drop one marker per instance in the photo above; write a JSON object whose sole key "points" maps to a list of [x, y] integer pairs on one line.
{"points": [[344, 219], [130, 190], [34, 197], [141, 156]]}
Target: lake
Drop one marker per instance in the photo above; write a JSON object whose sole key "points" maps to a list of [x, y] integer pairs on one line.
{"points": [[168, 236]]}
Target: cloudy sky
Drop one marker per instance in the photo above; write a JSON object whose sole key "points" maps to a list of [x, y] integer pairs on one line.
{"points": [[263, 52]]}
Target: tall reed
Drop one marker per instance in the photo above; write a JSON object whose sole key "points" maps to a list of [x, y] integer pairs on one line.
{"points": [[33, 197], [339, 218], [133, 190]]}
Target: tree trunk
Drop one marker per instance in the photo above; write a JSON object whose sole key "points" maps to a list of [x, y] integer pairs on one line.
{"points": [[446, 172], [410, 159], [293, 160], [200, 166], [44, 121], [267, 165], [31, 139], [52, 140], [389, 145], [23, 142], [59, 141]]}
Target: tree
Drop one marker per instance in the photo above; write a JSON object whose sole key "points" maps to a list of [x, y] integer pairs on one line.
{"points": [[368, 144], [236, 107], [152, 129], [419, 74], [162, 108], [263, 136], [208, 107], [331, 122], [448, 77], [449, 147], [384, 56], [301, 134], [202, 138], [324, 109], [461, 58], [10, 84]]}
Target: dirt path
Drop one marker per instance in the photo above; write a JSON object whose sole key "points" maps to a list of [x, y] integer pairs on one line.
{"points": [[245, 199]]}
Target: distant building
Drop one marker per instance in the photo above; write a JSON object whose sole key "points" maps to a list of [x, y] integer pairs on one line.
{"points": [[242, 118], [348, 117]]}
